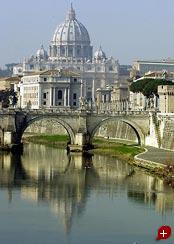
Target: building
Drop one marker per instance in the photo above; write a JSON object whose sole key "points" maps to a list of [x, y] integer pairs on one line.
{"points": [[8, 82], [166, 98], [120, 92], [160, 75], [120, 97], [49, 89], [115, 98], [143, 66], [71, 48], [138, 101], [103, 95]]}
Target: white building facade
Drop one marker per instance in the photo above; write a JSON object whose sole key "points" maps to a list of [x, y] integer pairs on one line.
{"points": [[71, 48], [50, 89]]}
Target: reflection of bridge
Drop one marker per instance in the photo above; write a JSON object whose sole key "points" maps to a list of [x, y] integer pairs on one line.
{"points": [[80, 125]]}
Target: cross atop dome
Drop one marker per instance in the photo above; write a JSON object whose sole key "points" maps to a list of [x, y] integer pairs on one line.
{"points": [[71, 13]]}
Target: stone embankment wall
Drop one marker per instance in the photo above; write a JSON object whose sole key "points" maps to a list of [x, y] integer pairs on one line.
{"points": [[168, 135], [117, 130], [49, 127], [111, 129], [161, 131]]}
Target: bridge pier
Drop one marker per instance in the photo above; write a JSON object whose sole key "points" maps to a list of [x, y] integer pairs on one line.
{"points": [[9, 141], [81, 143]]}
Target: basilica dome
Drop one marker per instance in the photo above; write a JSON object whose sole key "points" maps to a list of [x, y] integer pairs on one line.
{"points": [[41, 53], [71, 30], [71, 39]]}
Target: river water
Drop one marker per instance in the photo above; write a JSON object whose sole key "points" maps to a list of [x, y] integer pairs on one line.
{"points": [[47, 197]]}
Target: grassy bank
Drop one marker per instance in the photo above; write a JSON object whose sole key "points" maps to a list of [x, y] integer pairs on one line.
{"points": [[59, 141], [101, 145], [115, 149]]}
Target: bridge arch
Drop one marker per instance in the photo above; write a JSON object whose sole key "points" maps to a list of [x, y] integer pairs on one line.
{"points": [[62, 122], [138, 131]]}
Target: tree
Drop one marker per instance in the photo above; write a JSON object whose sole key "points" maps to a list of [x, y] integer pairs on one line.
{"points": [[8, 97], [138, 86], [148, 86]]}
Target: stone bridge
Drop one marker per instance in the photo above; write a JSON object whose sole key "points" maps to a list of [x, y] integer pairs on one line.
{"points": [[80, 125]]}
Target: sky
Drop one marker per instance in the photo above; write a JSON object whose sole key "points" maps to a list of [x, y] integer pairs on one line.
{"points": [[126, 29]]}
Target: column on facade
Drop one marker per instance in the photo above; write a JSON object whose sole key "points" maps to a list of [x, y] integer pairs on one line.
{"points": [[54, 96], [66, 51], [68, 96], [74, 51], [51, 95], [39, 97], [65, 95]]}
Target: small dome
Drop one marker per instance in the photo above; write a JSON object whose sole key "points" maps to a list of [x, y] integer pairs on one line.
{"points": [[71, 30], [99, 54], [42, 53]]}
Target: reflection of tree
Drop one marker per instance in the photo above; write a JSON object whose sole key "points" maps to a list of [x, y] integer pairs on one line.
{"points": [[65, 183]]}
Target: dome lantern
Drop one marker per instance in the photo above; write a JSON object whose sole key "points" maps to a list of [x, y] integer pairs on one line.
{"points": [[71, 14], [41, 53]]}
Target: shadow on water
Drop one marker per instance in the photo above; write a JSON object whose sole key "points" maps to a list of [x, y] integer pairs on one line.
{"points": [[66, 182]]}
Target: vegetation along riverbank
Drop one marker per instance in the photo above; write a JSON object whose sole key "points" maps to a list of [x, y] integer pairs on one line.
{"points": [[101, 145]]}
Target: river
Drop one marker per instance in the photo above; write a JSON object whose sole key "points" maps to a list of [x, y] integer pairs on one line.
{"points": [[47, 197]]}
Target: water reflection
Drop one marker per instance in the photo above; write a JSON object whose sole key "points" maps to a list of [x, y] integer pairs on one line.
{"points": [[65, 182]]}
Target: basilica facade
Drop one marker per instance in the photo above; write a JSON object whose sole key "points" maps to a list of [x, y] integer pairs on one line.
{"points": [[71, 49]]}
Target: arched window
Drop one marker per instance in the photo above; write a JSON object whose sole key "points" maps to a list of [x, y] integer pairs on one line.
{"points": [[59, 94]]}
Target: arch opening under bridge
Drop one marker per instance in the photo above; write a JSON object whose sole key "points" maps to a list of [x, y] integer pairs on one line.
{"points": [[138, 131], [55, 119]]}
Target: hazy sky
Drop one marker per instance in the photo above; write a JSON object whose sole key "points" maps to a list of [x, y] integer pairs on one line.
{"points": [[126, 29]]}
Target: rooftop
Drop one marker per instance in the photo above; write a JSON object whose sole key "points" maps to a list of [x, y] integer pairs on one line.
{"points": [[163, 61], [61, 73]]}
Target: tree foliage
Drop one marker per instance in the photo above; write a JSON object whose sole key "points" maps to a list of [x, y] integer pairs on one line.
{"points": [[149, 87], [8, 97]]}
